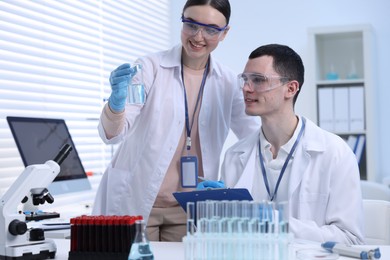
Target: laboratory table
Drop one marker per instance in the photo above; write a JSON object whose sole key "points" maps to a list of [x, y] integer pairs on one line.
{"points": [[175, 250]]}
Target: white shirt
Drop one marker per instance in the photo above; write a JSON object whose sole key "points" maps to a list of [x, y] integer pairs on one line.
{"points": [[273, 168]]}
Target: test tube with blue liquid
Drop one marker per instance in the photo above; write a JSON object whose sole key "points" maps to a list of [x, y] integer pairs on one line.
{"points": [[282, 208], [136, 89]]}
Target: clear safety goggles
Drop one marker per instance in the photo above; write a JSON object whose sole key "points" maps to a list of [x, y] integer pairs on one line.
{"points": [[259, 82], [208, 31]]}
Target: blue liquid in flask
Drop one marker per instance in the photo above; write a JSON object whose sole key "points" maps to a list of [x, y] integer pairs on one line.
{"points": [[140, 249]]}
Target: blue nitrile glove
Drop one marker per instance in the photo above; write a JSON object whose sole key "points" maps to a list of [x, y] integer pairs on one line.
{"points": [[119, 80], [210, 185]]}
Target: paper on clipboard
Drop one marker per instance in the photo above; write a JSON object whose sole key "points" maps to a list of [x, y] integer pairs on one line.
{"points": [[211, 194]]}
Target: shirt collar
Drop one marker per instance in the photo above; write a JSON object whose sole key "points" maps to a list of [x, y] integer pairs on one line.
{"points": [[286, 148]]}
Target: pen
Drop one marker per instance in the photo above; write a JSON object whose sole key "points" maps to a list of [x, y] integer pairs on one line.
{"points": [[356, 252], [202, 178]]}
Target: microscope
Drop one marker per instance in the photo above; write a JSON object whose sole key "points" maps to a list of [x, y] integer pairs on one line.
{"points": [[16, 240]]}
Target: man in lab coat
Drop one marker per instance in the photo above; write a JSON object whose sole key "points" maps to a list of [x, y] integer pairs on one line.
{"points": [[290, 158]]}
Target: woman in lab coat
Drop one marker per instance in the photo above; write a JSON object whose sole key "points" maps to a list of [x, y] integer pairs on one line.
{"points": [[321, 178], [189, 95]]}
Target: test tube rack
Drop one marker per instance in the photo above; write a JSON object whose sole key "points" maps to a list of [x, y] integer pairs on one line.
{"points": [[101, 237], [228, 230]]}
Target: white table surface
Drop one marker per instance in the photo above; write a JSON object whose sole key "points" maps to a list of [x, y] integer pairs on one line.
{"points": [[175, 250], [161, 250]]}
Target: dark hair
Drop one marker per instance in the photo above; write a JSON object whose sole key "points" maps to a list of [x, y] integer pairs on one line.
{"points": [[222, 6], [286, 62]]}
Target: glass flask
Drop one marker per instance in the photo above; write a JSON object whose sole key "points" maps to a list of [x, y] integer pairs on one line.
{"points": [[140, 249]]}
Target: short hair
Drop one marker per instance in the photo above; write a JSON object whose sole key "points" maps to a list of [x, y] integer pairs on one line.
{"points": [[222, 6], [286, 62]]}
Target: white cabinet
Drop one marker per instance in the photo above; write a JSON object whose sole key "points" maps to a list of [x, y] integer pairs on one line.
{"points": [[342, 59]]}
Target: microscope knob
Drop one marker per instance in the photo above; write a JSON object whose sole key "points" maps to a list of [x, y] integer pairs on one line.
{"points": [[25, 199], [17, 227], [37, 234]]}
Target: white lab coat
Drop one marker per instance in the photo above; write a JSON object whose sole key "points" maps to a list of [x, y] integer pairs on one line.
{"points": [[151, 135], [325, 202]]}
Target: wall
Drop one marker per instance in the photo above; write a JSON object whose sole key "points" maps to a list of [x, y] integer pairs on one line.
{"points": [[255, 22]]}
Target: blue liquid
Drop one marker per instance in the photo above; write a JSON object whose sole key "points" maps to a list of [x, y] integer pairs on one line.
{"points": [[140, 251], [332, 76], [136, 94]]}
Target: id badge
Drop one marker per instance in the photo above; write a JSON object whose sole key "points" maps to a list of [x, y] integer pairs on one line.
{"points": [[189, 171]]}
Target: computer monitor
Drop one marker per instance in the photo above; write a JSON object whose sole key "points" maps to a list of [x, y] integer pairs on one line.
{"points": [[39, 140]]}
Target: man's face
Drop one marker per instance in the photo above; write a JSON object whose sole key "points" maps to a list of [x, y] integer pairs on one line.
{"points": [[262, 87]]}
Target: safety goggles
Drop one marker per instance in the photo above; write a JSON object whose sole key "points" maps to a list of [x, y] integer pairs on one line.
{"points": [[259, 82], [208, 31]]}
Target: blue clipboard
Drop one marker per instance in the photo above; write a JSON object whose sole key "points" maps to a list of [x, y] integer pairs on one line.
{"points": [[211, 194]]}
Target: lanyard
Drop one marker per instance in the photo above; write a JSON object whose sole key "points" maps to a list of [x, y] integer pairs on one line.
{"points": [[188, 127], [284, 165]]}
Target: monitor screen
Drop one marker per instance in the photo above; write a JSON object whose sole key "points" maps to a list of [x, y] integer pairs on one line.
{"points": [[39, 140]]}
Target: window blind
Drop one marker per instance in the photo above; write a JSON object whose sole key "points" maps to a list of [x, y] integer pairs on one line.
{"points": [[55, 61]]}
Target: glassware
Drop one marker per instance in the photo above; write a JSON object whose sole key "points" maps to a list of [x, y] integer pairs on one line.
{"points": [[332, 74], [228, 230], [136, 89], [352, 71], [191, 218], [140, 249]]}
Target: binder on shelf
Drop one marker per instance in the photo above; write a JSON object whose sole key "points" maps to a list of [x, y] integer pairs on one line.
{"points": [[341, 109], [360, 144], [356, 108], [357, 144], [351, 141], [325, 108]]}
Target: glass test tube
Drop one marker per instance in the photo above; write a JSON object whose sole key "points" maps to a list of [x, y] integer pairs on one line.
{"points": [[190, 218], [224, 207], [283, 216], [245, 216], [201, 212]]}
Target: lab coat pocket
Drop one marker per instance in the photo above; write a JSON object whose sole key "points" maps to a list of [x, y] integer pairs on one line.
{"points": [[313, 206]]}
